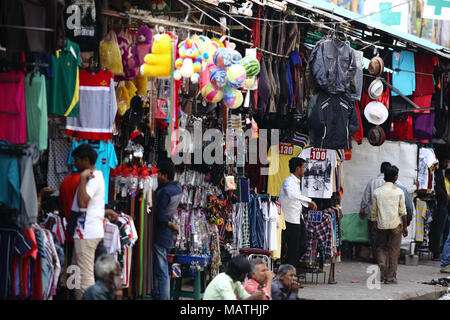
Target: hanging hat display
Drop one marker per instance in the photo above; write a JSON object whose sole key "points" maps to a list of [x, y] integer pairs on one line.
{"points": [[376, 66], [376, 113], [376, 136], [376, 89]]}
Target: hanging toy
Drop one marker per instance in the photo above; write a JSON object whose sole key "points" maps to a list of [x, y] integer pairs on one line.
{"points": [[236, 75], [222, 58], [190, 63], [219, 77], [158, 63], [212, 93], [232, 97], [251, 66], [236, 57]]}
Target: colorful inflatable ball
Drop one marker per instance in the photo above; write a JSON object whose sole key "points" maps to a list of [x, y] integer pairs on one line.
{"points": [[251, 66], [211, 93], [232, 98]]}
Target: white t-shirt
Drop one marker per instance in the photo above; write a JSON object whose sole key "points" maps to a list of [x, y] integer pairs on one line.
{"points": [[318, 179], [90, 226], [427, 160]]}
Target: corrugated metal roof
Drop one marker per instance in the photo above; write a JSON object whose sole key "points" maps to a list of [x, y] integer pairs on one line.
{"points": [[373, 25]]}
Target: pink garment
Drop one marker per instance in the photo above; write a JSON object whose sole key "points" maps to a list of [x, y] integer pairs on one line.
{"points": [[13, 125], [251, 286]]}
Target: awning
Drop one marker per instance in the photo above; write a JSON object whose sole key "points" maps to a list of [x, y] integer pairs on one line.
{"points": [[330, 9]]}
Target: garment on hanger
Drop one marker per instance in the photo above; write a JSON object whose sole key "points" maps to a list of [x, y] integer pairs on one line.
{"points": [[279, 166], [58, 152], [318, 179], [427, 162], [13, 125], [98, 107], [404, 81], [64, 87], [36, 109], [88, 30], [424, 64]]}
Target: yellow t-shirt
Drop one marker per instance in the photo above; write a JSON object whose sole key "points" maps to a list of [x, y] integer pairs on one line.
{"points": [[276, 177], [281, 225]]}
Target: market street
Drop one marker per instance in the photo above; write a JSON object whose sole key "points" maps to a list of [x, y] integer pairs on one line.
{"points": [[409, 283]]}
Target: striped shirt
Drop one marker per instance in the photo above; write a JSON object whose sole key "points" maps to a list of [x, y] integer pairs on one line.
{"points": [[12, 240]]}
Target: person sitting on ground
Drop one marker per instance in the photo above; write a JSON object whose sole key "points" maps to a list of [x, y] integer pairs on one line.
{"points": [[284, 286], [260, 279], [108, 283], [228, 285]]}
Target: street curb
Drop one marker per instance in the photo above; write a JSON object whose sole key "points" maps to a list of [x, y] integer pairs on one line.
{"points": [[424, 295]]}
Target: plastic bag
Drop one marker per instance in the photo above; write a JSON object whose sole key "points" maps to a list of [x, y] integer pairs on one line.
{"points": [[110, 57], [123, 99]]}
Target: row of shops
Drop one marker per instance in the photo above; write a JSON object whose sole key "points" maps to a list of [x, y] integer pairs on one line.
{"points": [[230, 98]]}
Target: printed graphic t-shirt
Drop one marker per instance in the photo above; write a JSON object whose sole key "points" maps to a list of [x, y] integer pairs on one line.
{"points": [[317, 181], [286, 151]]}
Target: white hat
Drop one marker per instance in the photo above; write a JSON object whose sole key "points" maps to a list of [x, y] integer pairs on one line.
{"points": [[375, 89], [376, 113]]}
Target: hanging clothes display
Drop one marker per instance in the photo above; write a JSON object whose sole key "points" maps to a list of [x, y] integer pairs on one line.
{"points": [[13, 125], [98, 107], [319, 176], [427, 164]]}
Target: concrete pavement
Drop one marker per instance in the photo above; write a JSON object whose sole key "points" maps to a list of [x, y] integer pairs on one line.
{"points": [[409, 283]]}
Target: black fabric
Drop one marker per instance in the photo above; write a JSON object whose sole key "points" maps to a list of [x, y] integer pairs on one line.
{"points": [[89, 34], [283, 102], [293, 243], [333, 121], [72, 222], [263, 88], [32, 13]]}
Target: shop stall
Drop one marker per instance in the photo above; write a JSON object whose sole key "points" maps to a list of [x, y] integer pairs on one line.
{"points": [[230, 96]]}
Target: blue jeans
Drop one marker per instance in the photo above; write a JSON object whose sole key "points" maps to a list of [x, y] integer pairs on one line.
{"points": [[446, 253], [161, 280]]}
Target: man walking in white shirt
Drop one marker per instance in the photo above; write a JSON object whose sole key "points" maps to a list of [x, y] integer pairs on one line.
{"points": [[366, 202], [292, 200], [389, 211], [90, 201]]}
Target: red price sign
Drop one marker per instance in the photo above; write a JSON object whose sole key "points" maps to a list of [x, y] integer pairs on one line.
{"points": [[286, 148], [318, 154]]}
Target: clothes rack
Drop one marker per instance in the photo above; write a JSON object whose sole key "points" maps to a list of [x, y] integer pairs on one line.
{"points": [[11, 26]]}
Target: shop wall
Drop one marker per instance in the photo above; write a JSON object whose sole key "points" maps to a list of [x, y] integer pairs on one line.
{"points": [[364, 165]]}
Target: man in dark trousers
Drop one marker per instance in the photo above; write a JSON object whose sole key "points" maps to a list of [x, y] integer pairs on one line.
{"points": [[168, 196], [389, 213], [293, 239]]}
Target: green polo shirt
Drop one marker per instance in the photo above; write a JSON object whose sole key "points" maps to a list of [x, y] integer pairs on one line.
{"points": [[63, 90], [36, 106], [222, 287]]}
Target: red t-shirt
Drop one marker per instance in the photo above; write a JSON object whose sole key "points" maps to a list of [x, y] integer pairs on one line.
{"points": [[67, 191], [424, 63]]}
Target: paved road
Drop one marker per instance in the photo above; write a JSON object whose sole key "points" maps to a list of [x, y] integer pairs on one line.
{"points": [[408, 287]]}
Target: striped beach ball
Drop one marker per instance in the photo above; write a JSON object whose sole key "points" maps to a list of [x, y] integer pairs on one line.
{"points": [[211, 93], [251, 66]]}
